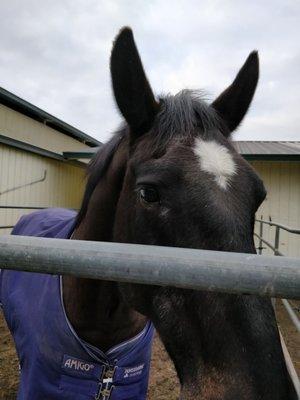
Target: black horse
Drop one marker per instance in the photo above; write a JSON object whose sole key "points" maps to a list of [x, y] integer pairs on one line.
{"points": [[171, 176]]}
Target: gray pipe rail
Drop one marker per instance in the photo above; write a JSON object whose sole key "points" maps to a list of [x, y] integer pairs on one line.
{"points": [[154, 265], [22, 207], [294, 317], [284, 227]]}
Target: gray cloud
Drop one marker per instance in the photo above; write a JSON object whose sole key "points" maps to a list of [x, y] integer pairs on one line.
{"points": [[56, 54]]}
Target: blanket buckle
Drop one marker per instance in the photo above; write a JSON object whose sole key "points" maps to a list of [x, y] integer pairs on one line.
{"points": [[106, 387]]}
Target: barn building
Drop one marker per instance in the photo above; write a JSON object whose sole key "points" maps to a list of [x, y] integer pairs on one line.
{"points": [[278, 164], [42, 163], [33, 170]]}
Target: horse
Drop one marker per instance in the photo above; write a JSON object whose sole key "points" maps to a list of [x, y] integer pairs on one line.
{"points": [[170, 176]]}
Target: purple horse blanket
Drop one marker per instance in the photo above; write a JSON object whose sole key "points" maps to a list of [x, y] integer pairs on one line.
{"points": [[55, 363]]}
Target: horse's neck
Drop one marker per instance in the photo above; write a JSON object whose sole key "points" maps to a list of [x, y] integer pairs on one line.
{"points": [[223, 347], [96, 309], [98, 313]]}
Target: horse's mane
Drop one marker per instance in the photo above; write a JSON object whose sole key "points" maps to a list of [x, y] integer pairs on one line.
{"points": [[179, 115], [96, 168]]}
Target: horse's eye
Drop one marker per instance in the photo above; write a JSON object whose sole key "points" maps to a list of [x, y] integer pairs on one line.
{"points": [[149, 195]]}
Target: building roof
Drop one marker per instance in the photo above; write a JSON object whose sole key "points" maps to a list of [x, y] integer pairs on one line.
{"points": [[24, 107], [249, 149], [263, 150]]}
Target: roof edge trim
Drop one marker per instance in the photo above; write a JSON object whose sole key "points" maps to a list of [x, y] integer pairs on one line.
{"points": [[24, 107]]}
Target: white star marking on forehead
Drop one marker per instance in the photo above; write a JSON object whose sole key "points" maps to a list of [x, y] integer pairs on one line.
{"points": [[216, 160]]}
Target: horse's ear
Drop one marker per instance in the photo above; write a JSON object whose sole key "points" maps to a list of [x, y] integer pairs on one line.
{"points": [[132, 91], [234, 102]]}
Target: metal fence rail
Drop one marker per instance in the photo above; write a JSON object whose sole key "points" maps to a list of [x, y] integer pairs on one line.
{"points": [[9, 207], [155, 265], [278, 226], [277, 252], [17, 208], [22, 208]]}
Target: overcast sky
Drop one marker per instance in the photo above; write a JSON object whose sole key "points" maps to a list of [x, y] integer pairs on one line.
{"points": [[55, 54]]}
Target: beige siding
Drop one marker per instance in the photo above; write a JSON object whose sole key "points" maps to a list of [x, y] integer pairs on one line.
{"points": [[20, 127], [282, 181], [63, 186]]}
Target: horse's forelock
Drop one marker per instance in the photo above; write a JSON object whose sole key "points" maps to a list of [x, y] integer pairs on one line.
{"points": [[184, 114]]}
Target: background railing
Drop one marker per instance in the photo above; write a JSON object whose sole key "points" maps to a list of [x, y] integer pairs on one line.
{"points": [[19, 208], [290, 311], [22, 208], [275, 248]]}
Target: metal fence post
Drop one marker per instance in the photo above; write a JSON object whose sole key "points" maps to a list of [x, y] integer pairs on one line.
{"points": [[260, 248], [276, 244]]}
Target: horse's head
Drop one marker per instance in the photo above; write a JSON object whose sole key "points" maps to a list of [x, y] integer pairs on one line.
{"points": [[172, 177], [185, 185]]}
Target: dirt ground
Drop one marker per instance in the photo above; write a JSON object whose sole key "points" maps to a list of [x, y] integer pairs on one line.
{"points": [[163, 381]]}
